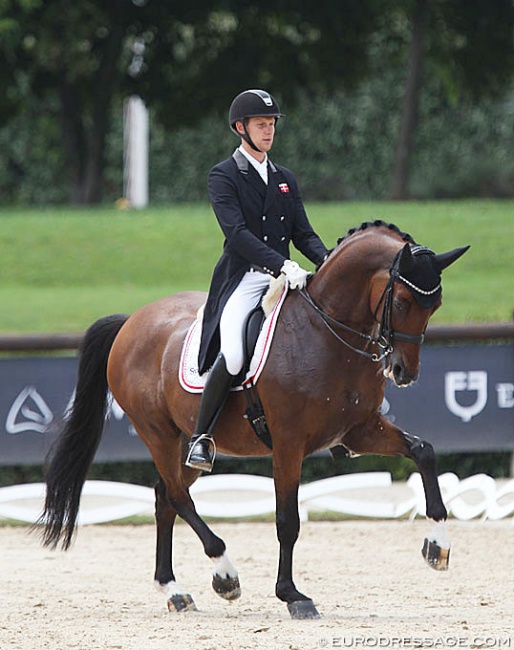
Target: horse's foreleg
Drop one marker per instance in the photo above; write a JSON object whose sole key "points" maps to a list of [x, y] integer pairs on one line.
{"points": [[381, 437], [436, 549], [288, 526]]}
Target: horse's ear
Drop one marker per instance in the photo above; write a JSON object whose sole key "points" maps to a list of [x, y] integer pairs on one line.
{"points": [[443, 260], [406, 261]]}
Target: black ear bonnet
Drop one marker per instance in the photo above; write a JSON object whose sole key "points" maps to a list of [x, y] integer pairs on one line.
{"points": [[420, 269]]}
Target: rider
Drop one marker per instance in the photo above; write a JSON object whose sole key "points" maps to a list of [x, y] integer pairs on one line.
{"points": [[260, 211]]}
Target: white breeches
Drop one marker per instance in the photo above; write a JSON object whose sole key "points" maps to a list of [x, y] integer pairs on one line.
{"points": [[245, 297]]}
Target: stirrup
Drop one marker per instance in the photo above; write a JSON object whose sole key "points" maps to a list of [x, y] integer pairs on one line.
{"points": [[202, 463]]}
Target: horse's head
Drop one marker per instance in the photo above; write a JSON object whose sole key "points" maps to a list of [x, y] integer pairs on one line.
{"points": [[407, 300], [385, 285]]}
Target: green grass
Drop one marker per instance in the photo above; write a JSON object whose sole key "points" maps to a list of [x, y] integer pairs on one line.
{"points": [[63, 268]]}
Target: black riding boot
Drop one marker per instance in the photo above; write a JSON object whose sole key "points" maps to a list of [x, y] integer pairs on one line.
{"points": [[201, 446]]}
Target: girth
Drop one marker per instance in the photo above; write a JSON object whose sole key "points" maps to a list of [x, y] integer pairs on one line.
{"points": [[255, 411]]}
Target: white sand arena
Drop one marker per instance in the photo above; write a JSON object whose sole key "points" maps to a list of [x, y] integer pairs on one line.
{"points": [[367, 579]]}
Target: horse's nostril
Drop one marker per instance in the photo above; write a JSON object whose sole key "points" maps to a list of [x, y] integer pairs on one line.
{"points": [[402, 376]]}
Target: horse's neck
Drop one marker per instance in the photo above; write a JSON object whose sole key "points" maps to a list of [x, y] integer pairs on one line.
{"points": [[344, 298], [343, 287]]}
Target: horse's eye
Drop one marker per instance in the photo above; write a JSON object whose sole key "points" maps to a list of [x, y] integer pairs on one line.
{"points": [[400, 305]]}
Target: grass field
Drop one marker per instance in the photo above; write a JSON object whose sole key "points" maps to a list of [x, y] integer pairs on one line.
{"points": [[63, 268]]}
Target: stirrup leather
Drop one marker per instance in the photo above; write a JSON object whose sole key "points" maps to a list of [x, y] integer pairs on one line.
{"points": [[206, 465]]}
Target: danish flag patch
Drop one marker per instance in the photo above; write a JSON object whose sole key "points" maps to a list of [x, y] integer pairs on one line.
{"points": [[284, 188]]}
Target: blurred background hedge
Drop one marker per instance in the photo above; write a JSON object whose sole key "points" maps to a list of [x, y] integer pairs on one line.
{"points": [[340, 147], [495, 464]]}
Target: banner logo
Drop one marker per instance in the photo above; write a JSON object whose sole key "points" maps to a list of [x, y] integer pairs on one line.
{"points": [[473, 381], [505, 391], [29, 412]]}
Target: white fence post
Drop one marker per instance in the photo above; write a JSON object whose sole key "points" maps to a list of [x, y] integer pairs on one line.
{"points": [[135, 154]]}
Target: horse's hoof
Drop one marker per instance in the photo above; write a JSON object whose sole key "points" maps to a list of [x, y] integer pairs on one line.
{"points": [[227, 588], [436, 557], [181, 603], [302, 609]]}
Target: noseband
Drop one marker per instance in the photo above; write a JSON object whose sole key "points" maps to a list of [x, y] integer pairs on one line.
{"points": [[386, 335]]}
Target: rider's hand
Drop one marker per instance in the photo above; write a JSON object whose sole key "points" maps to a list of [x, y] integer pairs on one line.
{"points": [[296, 276]]}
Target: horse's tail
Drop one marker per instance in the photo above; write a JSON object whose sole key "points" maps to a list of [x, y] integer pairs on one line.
{"points": [[77, 442]]}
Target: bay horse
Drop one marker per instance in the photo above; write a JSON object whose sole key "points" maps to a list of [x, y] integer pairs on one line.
{"points": [[361, 320]]}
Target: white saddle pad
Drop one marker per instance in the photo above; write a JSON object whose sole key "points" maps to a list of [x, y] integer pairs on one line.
{"points": [[193, 382]]}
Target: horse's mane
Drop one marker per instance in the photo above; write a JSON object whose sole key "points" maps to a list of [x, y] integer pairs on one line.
{"points": [[378, 223]]}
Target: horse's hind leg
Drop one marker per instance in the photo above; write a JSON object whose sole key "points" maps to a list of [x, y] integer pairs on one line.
{"points": [[172, 499], [165, 515], [383, 438]]}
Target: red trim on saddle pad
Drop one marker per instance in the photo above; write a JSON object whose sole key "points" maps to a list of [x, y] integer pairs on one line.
{"points": [[189, 377]]}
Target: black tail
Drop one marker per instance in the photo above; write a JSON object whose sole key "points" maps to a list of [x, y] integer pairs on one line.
{"points": [[74, 450]]}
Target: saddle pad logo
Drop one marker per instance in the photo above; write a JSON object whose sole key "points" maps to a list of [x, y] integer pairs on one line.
{"points": [[284, 188]]}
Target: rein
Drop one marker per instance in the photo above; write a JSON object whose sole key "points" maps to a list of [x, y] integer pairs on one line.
{"points": [[387, 334], [328, 321]]}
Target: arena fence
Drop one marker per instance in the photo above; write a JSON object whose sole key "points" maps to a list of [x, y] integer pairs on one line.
{"points": [[234, 496], [463, 401]]}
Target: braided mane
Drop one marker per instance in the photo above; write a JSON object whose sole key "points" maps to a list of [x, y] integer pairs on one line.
{"points": [[377, 224]]}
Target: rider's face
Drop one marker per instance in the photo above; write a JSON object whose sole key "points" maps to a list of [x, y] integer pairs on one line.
{"points": [[261, 131]]}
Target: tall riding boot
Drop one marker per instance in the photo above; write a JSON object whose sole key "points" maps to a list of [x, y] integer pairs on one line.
{"points": [[202, 449]]}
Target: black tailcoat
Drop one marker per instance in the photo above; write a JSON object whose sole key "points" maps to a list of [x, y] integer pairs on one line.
{"points": [[259, 221]]}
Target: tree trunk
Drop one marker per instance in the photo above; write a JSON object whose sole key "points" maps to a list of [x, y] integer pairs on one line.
{"points": [[74, 141], [85, 145], [103, 93], [399, 189]]}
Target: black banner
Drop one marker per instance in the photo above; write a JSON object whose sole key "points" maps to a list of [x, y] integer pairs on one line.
{"points": [[463, 401], [34, 394]]}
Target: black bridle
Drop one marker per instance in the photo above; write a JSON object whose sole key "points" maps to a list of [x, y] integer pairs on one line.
{"points": [[386, 335]]}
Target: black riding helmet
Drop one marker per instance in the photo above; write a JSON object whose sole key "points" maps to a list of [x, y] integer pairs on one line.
{"points": [[252, 103]]}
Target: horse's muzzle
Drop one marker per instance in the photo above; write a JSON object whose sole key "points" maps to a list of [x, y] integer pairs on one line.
{"points": [[397, 372]]}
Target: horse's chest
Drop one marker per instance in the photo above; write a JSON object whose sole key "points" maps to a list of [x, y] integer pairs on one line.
{"points": [[352, 406], [352, 398]]}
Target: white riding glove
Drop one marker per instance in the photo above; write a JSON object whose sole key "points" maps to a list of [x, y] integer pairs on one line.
{"points": [[296, 276]]}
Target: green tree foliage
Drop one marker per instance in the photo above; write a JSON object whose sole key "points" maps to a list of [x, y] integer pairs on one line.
{"points": [[338, 145], [471, 47], [76, 60], [87, 53], [466, 46], [200, 66]]}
